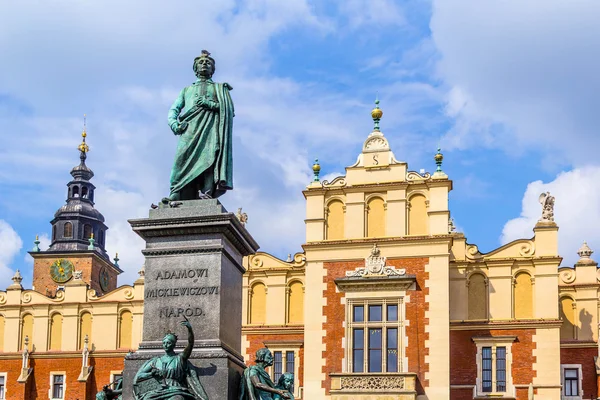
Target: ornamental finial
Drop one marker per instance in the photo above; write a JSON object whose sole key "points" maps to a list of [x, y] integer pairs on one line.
{"points": [[17, 278], [439, 157], [316, 170], [83, 147], [376, 113], [36, 243], [585, 253], [92, 241], [116, 259]]}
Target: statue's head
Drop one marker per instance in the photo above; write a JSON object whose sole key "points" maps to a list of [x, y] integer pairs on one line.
{"points": [[169, 341], [264, 355], [204, 65], [286, 381]]}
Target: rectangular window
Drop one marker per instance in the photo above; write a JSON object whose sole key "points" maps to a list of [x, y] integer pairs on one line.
{"points": [[375, 313], [277, 365], [571, 382], [375, 341], [375, 330], [289, 362], [392, 312], [58, 382], [358, 350], [2, 386], [392, 350], [486, 369], [359, 314], [500, 369]]}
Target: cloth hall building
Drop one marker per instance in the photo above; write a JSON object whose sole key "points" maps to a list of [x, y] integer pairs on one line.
{"points": [[386, 301]]}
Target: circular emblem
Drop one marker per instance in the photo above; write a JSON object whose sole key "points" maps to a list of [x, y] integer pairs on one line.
{"points": [[104, 279], [61, 270]]}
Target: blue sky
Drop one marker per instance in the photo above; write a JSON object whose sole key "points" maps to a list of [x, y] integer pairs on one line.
{"points": [[507, 88]]}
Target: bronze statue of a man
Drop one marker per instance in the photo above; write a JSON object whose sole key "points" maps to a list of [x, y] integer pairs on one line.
{"points": [[202, 117], [257, 384], [171, 376]]}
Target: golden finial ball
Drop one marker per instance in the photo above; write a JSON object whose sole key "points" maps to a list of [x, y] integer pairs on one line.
{"points": [[316, 167], [438, 157], [376, 113]]}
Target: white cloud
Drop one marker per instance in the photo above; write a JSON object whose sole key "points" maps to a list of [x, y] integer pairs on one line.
{"points": [[521, 75], [576, 211], [10, 245]]}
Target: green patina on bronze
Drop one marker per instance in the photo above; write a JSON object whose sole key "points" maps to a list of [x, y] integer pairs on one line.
{"points": [[256, 383], [171, 376], [202, 117]]}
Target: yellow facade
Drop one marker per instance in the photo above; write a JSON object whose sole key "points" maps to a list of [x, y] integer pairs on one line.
{"points": [[61, 323]]}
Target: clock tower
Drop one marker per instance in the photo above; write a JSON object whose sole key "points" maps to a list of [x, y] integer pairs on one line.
{"points": [[78, 239]]}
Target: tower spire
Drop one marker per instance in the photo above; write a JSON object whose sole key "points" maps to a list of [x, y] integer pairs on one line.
{"points": [[83, 147]]}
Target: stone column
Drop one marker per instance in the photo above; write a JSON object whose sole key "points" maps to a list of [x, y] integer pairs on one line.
{"points": [[193, 268]]}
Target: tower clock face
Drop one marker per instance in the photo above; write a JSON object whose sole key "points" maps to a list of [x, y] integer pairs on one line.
{"points": [[61, 270], [104, 279]]}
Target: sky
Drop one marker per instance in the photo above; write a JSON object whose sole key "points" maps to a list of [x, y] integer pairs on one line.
{"points": [[508, 89]]}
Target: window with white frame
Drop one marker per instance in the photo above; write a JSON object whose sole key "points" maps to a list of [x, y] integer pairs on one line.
{"points": [[57, 385], [374, 333], [494, 361], [2, 385], [285, 360], [571, 381]]}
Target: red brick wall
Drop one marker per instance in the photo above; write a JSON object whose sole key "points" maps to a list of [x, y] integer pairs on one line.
{"points": [[463, 353], [257, 342], [585, 357], [38, 384], [335, 314]]}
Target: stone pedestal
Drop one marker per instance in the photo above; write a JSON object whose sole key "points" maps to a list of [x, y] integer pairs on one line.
{"points": [[193, 268]]}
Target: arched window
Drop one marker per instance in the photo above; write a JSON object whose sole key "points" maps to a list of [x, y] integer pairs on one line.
{"points": [[55, 332], [1, 333], [335, 220], [477, 297], [84, 192], [87, 231], [68, 230], [567, 314], [296, 303], [53, 232], [75, 191], [523, 296], [26, 330], [418, 222], [258, 304], [125, 329], [101, 237], [85, 329], [375, 217]]}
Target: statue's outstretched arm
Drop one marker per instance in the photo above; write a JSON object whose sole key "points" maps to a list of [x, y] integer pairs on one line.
{"points": [[259, 385], [187, 352]]}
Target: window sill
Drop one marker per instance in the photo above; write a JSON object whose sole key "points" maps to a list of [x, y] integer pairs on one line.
{"points": [[493, 395]]}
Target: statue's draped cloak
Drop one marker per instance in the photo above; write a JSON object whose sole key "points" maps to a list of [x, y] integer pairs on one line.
{"points": [[176, 369], [247, 389], [204, 152]]}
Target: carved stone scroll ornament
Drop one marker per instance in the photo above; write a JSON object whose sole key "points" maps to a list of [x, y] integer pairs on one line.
{"points": [[375, 266], [372, 383], [567, 275], [547, 202], [415, 176]]}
